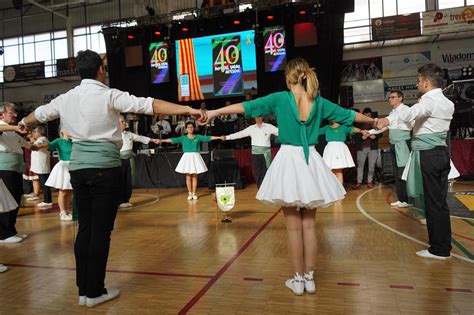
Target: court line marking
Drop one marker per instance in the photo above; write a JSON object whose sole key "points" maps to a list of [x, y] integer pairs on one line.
{"points": [[361, 209], [413, 219], [146, 273], [224, 268]]}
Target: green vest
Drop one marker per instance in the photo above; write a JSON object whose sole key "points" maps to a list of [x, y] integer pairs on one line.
{"points": [[399, 138], [420, 143], [94, 154]]}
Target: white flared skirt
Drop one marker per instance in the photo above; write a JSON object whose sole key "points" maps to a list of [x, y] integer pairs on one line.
{"points": [[290, 182], [453, 173], [337, 155], [191, 163], [7, 202], [59, 177]]}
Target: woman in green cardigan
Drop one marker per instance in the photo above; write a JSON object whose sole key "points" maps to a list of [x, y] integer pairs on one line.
{"points": [[298, 180], [191, 163]]}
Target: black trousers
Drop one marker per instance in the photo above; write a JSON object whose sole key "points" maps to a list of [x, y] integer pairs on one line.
{"points": [[400, 185], [435, 169], [14, 182], [126, 170], [97, 194], [45, 189], [259, 168]]}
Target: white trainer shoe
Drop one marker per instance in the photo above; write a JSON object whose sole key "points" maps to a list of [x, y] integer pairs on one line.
{"points": [[44, 204], [423, 221], [63, 216], [309, 284], [426, 254], [23, 236], [190, 196], [395, 204], [82, 300], [125, 205], [195, 197], [403, 204], [32, 198], [296, 284], [11, 240], [3, 268], [112, 293]]}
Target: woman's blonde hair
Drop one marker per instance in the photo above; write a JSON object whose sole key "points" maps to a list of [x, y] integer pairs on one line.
{"points": [[297, 71]]}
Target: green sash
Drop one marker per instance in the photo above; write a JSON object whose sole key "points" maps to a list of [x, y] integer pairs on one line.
{"points": [[399, 138], [10, 161], [266, 151], [126, 154], [94, 154], [420, 143]]}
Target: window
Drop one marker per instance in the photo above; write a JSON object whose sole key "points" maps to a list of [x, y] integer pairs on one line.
{"points": [[444, 4], [411, 6]]}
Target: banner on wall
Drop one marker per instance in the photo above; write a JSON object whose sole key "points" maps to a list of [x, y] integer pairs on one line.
{"points": [[448, 20], [159, 65], [25, 71], [404, 65], [227, 71], [368, 91], [361, 69], [275, 48], [407, 85], [394, 27], [66, 67], [454, 58]]}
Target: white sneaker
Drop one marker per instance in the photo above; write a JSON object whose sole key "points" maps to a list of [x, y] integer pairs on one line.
{"points": [[195, 197], [309, 284], [22, 236], [125, 205], [29, 195], [426, 254], [404, 205], [82, 300], [11, 240], [395, 204], [44, 204], [296, 285], [3, 268], [190, 196], [112, 293], [423, 221], [63, 216], [32, 198]]}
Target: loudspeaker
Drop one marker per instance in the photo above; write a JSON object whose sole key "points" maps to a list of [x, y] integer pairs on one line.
{"points": [[305, 34], [133, 56]]}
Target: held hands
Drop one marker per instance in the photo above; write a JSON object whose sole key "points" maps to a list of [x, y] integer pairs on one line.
{"points": [[198, 115], [365, 134], [155, 141], [209, 116], [382, 122]]}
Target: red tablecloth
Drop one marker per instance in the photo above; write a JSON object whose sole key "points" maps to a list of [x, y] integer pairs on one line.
{"points": [[244, 158], [462, 154]]}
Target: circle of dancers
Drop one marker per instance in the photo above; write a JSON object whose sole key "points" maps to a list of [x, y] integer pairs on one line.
{"points": [[95, 149]]}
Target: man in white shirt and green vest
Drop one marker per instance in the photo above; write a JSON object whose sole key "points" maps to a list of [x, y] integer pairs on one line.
{"points": [[90, 113], [260, 134], [427, 170]]}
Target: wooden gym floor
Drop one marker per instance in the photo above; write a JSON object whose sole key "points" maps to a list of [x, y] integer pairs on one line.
{"points": [[172, 256]]}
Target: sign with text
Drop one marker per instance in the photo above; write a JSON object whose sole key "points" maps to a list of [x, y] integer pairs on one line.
{"points": [[448, 20], [368, 91], [454, 58], [66, 67], [398, 26], [404, 65], [275, 48], [22, 72], [407, 85], [227, 71], [159, 65]]}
